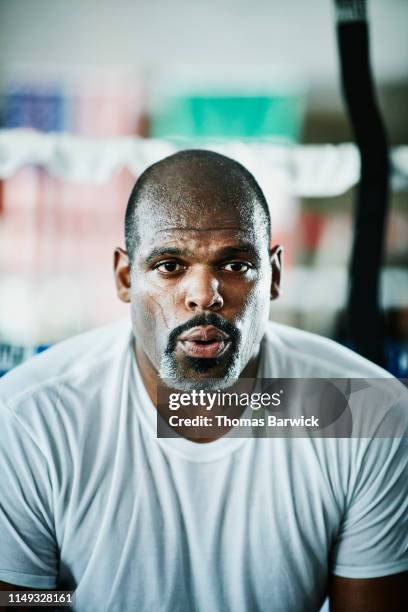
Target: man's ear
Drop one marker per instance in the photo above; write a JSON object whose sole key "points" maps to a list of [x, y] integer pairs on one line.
{"points": [[276, 263], [122, 274]]}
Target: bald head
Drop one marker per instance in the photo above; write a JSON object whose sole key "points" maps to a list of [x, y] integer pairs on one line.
{"points": [[189, 184]]}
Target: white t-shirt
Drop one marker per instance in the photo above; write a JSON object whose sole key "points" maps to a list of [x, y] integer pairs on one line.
{"points": [[91, 500]]}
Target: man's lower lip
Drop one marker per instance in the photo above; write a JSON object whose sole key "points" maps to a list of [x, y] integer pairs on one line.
{"points": [[205, 350]]}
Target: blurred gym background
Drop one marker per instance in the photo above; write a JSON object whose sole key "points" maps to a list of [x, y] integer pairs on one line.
{"points": [[259, 80]]}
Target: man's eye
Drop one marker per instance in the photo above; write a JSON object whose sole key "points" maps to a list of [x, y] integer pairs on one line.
{"points": [[169, 266], [237, 266]]}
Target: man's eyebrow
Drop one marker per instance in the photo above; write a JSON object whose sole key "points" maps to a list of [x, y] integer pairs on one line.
{"points": [[223, 253], [244, 247], [163, 251]]}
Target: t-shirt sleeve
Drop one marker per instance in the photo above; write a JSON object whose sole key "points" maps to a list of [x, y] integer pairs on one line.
{"points": [[373, 538], [28, 551]]}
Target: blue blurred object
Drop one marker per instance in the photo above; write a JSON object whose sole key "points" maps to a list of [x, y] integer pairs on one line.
{"points": [[11, 355], [396, 354], [28, 106]]}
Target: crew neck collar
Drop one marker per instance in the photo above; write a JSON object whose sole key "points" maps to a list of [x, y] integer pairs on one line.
{"points": [[184, 448]]}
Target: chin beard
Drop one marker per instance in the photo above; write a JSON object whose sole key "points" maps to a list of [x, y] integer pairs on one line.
{"points": [[172, 375], [181, 376]]}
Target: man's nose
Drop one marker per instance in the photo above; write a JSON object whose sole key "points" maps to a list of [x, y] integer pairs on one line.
{"points": [[202, 290]]}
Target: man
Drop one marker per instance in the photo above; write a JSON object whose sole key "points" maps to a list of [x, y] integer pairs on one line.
{"points": [[91, 500]]}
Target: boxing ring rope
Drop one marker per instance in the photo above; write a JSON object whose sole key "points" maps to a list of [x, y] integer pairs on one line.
{"points": [[306, 170], [316, 171]]}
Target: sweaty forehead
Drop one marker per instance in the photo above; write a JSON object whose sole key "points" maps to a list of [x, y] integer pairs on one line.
{"points": [[187, 205]]}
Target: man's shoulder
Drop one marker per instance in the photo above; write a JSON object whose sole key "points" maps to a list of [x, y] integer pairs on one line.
{"points": [[291, 352], [71, 361]]}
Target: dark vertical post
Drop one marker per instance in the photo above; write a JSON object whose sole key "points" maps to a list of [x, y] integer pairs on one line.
{"points": [[366, 325]]}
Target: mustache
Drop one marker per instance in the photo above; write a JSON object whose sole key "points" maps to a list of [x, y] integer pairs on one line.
{"points": [[209, 319]]}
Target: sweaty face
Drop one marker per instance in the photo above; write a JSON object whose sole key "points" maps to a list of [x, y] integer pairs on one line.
{"points": [[200, 285]]}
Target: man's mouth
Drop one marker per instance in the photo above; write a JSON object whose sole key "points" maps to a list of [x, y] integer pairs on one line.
{"points": [[204, 341]]}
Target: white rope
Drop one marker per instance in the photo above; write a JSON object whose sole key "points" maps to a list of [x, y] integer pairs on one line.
{"points": [[305, 170]]}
